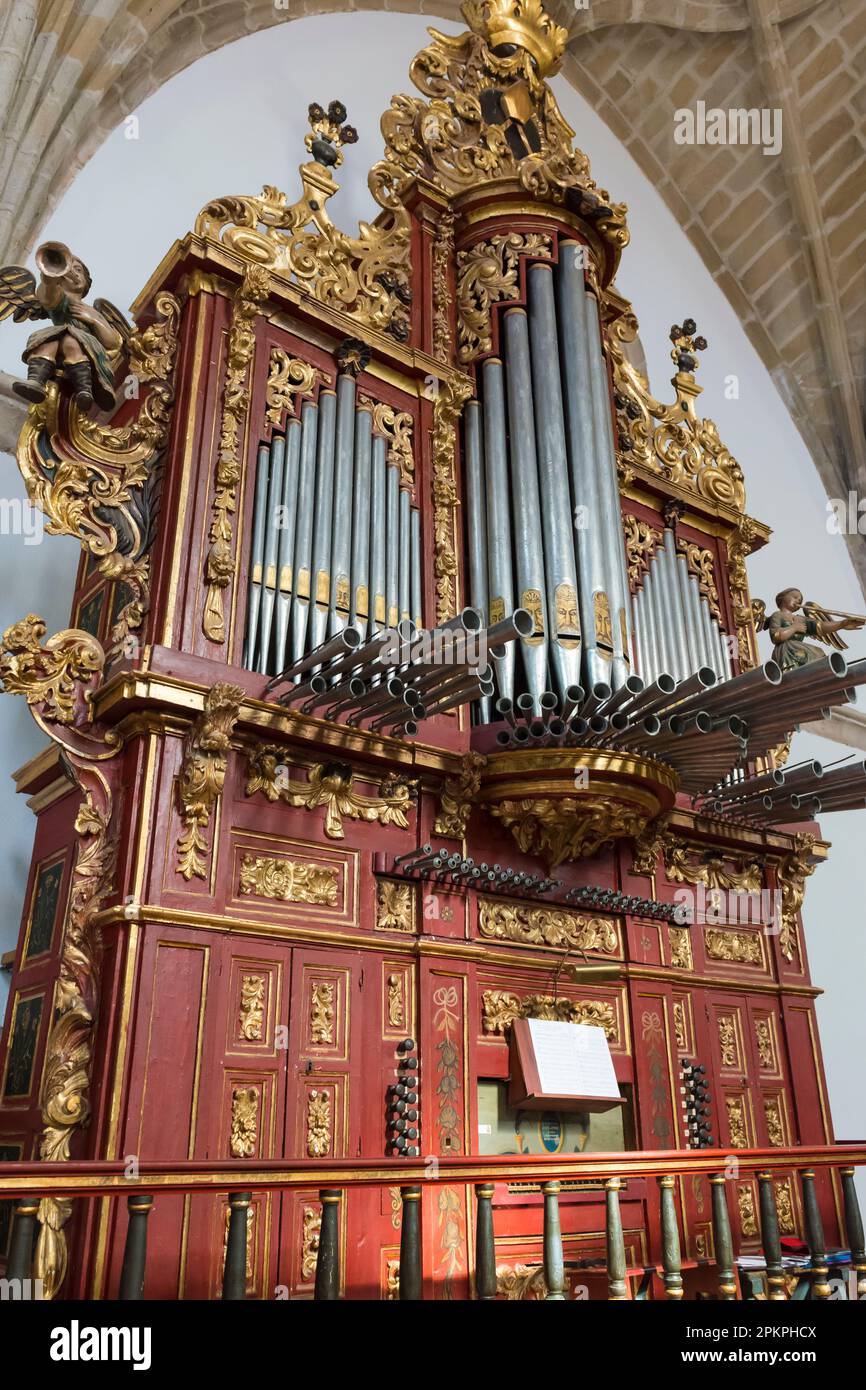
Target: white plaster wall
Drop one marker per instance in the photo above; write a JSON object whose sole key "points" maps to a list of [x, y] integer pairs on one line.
{"points": [[235, 121]]}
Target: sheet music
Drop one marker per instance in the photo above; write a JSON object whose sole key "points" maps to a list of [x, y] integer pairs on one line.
{"points": [[573, 1059]]}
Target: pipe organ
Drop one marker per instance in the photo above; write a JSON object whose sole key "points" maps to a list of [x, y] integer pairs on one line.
{"points": [[288, 823]]}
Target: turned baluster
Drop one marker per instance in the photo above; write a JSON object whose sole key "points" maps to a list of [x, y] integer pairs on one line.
{"points": [[235, 1269], [20, 1260], [814, 1236], [854, 1229], [554, 1270], [671, 1263], [135, 1249], [328, 1259], [722, 1242], [485, 1247], [616, 1261], [410, 1245], [776, 1286]]}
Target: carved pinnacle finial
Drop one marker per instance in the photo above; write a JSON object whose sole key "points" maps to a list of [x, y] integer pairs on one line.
{"points": [[329, 133], [685, 345], [518, 24]]}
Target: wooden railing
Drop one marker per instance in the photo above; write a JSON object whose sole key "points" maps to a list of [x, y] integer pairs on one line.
{"points": [[28, 1182]]}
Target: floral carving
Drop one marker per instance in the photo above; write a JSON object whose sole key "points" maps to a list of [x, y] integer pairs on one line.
{"points": [[331, 786], [203, 774], [487, 273], [267, 877], [458, 793], [500, 1009], [546, 926], [395, 906]]}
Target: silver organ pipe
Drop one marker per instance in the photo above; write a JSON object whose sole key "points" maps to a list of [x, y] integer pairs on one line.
{"points": [[336, 540], [557, 525], [360, 597], [529, 546], [677, 633], [476, 521], [304, 530], [500, 580]]}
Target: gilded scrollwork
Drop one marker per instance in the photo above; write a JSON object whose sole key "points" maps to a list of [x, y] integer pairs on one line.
{"points": [[311, 1234], [396, 427], [741, 543], [746, 1205], [443, 251], [742, 948], [395, 906], [322, 994], [251, 1013], [244, 1136], [101, 482], [792, 873], [451, 396], [563, 829], [701, 564], [683, 865], [457, 796], [396, 1001], [500, 1008], [330, 786], [289, 882], [288, 378], [318, 1124], [220, 562], [202, 774], [641, 540], [488, 273], [546, 926], [775, 1121], [681, 948], [54, 678], [737, 1122]]}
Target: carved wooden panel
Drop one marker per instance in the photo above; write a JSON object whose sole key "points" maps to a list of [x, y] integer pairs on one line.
{"points": [[322, 1114], [289, 880], [735, 1118], [325, 1003], [398, 1000], [255, 992]]}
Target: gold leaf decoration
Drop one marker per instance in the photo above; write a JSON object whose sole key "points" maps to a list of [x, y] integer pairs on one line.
{"points": [[283, 879], [736, 1108], [562, 829], [312, 1230], [701, 564], [48, 676], [396, 427], [792, 873], [546, 926], [395, 906], [641, 540], [488, 273], [203, 774], [322, 1013], [329, 786], [458, 793], [681, 948], [500, 1008], [244, 1136], [741, 947], [288, 378], [318, 1124], [451, 397], [251, 1014], [746, 1204]]}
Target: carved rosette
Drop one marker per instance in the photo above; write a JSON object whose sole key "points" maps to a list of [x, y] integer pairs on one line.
{"points": [[203, 774], [101, 482], [220, 562]]}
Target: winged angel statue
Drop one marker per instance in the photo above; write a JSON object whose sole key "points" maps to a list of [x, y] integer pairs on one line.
{"points": [[81, 343], [794, 620]]}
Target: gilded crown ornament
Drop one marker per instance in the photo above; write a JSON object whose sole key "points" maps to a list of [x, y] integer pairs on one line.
{"points": [[523, 23]]}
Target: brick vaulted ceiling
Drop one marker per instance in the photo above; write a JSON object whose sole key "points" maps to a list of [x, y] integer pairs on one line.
{"points": [[784, 236]]}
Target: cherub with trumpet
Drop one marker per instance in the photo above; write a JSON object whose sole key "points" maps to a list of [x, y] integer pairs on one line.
{"points": [[794, 621], [82, 343]]}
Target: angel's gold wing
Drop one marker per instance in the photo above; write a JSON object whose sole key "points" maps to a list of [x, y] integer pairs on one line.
{"points": [[822, 616], [118, 321], [18, 295]]}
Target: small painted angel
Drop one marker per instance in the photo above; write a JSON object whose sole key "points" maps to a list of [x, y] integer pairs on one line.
{"points": [[794, 621], [82, 343]]}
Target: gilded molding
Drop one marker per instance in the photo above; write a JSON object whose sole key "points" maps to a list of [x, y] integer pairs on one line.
{"points": [[220, 562], [288, 378], [395, 906], [641, 541], [244, 1135], [287, 881], [457, 796], [318, 1124], [251, 1014], [791, 875], [451, 396], [487, 274], [202, 774], [500, 1008], [329, 785], [545, 926], [101, 483]]}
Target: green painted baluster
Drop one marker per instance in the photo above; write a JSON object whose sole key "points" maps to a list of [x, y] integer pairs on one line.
{"points": [[328, 1258], [554, 1270], [673, 1279], [485, 1246], [854, 1229], [235, 1269], [616, 1261], [135, 1250], [814, 1236], [722, 1242], [770, 1239], [19, 1264], [410, 1245]]}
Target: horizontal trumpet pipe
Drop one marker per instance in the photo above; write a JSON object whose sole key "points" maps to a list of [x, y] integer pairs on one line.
{"points": [[627, 692], [731, 694], [346, 641], [702, 679], [574, 698], [600, 692], [413, 854], [316, 685], [662, 688]]}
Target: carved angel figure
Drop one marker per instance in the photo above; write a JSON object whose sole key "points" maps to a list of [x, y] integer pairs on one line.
{"points": [[794, 621], [82, 342]]}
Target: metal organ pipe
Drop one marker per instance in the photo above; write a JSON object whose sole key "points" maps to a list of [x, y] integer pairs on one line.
{"points": [[377, 605], [269, 577], [324, 492], [304, 529], [499, 547], [404, 583], [583, 453], [286, 549], [360, 581], [341, 545], [392, 544], [257, 554], [529, 550], [557, 523]]}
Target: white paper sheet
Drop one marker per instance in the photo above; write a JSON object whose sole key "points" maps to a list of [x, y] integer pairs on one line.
{"points": [[573, 1059]]}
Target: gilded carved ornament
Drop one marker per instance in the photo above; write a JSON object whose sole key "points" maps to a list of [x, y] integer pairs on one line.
{"points": [[487, 274], [318, 1124], [220, 562], [649, 845], [287, 881], [746, 1205], [681, 948], [500, 1008], [310, 1237], [791, 874], [701, 564], [641, 541], [395, 906], [672, 440], [443, 252], [202, 774], [244, 1136], [451, 396], [563, 829], [737, 1122], [322, 994], [546, 926], [457, 796], [101, 482], [329, 785], [741, 543], [251, 1013], [396, 1002], [742, 948], [288, 378], [682, 865], [395, 426], [57, 678]]}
